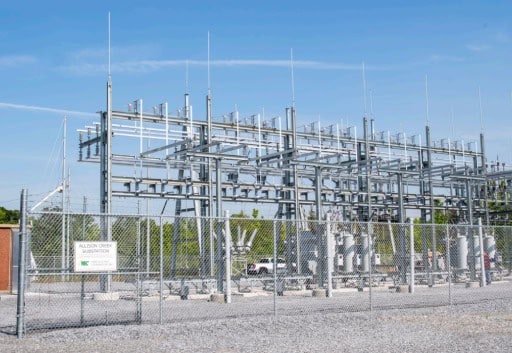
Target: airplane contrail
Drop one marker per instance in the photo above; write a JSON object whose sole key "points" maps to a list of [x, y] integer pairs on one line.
{"points": [[46, 109], [155, 65]]}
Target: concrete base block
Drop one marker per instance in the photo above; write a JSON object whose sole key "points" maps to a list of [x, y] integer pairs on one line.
{"points": [[402, 288], [171, 297], [319, 292], [199, 296], [106, 296], [217, 298], [153, 298], [473, 284]]}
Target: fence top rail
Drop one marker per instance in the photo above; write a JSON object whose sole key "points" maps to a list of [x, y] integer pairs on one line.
{"points": [[113, 273]]}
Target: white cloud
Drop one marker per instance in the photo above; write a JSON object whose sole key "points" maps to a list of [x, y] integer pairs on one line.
{"points": [[16, 60], [119, 53], [445, 58], [478, 48], [45, 109], [155, 65]]}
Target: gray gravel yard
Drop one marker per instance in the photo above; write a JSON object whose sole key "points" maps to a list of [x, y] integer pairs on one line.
{"points": [[480, 320]]}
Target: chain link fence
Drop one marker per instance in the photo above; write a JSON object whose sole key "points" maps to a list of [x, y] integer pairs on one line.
{"points": [[170, 269]]}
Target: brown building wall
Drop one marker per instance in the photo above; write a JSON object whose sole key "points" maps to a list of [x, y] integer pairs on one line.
{"points": [[5, 258]]}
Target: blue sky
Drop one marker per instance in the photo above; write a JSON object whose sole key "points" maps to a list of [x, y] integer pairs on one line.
{"points": [[54, 54]]}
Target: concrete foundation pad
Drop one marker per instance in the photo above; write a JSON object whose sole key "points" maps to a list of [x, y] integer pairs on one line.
{"points": [[402, 288], [217, 298], [298, 293], [105, 296], [7, 296], [152, 298], [199, 296], [172, 298], [319, 292], [473, 284], [253, 294]]}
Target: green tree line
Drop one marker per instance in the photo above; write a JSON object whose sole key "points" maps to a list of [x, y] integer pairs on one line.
{"points": [[9, 216]]}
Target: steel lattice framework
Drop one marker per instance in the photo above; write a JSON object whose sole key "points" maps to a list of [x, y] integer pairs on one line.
{"points": [[202, 165]]}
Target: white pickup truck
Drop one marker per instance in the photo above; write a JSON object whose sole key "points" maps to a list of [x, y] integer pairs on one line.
{"points": [[266, 265]]}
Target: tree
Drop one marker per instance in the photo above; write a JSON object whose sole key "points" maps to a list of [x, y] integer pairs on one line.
{"points": [[47, 231], [444, 216], [9, 216], [83, 228], [124, 231]]}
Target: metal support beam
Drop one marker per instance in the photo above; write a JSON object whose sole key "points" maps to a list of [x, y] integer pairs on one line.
{"points": [[220, 253], [106, 180], [401, 232]]}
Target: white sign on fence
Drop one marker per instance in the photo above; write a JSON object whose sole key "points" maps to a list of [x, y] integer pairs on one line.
{"points": [[95, 256]]}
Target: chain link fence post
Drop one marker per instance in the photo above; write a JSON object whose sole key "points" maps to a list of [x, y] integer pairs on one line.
{"points": [[275, 237], [220, 262], [369, 244], [412, 256], [449, 263], [138, 279], [20, 313], [227, 242], [330, 254], [509, 249], [481, 246], [161, 271]]}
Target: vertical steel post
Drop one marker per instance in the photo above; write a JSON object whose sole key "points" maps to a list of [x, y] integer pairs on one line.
{"points": [[297, 221], [412, 261], [275, 269], [20, 312], [370, 257], [64, 194], [206, 176], [106, 179], [220, 262], [369, 202], [139, 267], [482, 265], [484, 172], [432, 204], [293, 144], [509, 248], [449, 263], [227, 237], [108, 192], [401, 232], [471, 240], [330, 255], [161, 270], [400, 187], [368, 168], [320, 233], [148, 239]]}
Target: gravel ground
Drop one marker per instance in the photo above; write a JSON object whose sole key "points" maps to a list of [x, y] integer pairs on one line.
{"points": [[479, 321]]}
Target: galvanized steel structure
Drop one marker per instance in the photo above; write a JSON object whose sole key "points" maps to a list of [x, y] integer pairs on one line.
{"points": [[203, 165]]}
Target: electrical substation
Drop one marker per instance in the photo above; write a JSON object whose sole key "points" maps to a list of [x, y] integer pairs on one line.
{"points": [[207, 165], [352, 208]]}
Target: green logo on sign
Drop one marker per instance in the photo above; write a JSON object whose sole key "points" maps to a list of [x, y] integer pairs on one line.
{"points": [[84, 263]]}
